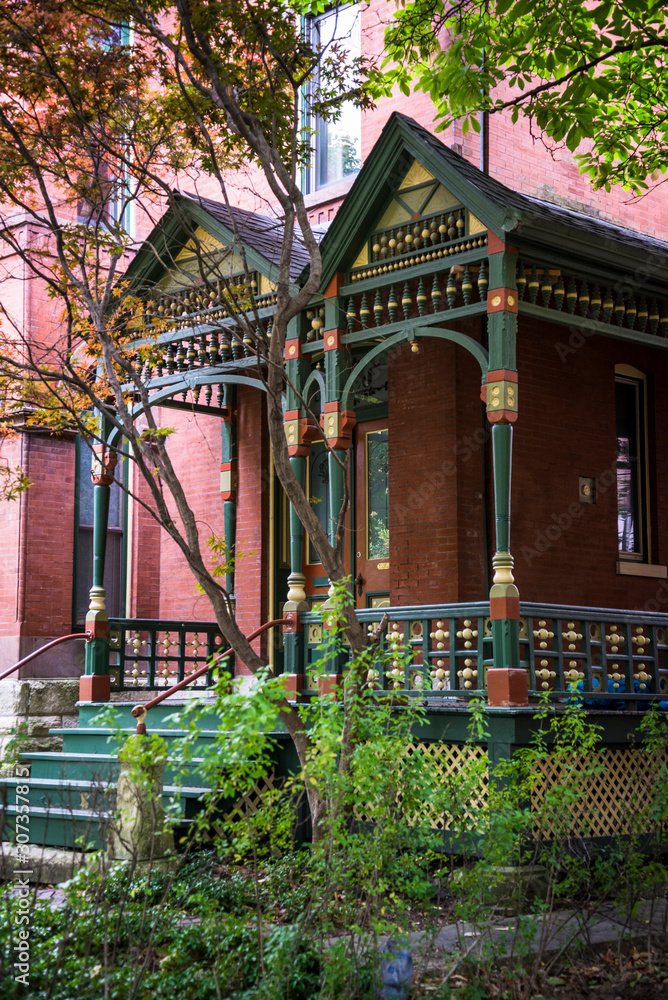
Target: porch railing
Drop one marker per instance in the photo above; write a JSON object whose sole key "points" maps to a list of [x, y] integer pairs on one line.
{"points": [[611, 658], [153, 654]]}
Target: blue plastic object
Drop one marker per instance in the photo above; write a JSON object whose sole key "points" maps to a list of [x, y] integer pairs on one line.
{"points": [[395, 972]]}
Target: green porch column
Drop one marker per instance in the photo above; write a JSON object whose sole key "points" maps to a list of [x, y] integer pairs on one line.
{"points": [[228, 477], [338, 424], [299, 433], [95, 685], [501, 394]]}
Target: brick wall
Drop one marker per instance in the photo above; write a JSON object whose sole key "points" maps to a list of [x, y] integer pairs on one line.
{"points": [[566, 429]]}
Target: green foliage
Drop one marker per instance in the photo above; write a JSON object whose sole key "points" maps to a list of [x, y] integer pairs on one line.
{"points": [[590, 76]]}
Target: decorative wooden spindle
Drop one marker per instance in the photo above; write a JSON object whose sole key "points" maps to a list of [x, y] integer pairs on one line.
{"points": [[595, 304], [159, 367], [208, 392], [583, 298], [559, 292], [392, 243], [365, 312], [169, 357], [619, 309], [533, 285], [214, 352], [406, 301], [608, 305], [392, 304], [546, 288], [571, 296], [203, 354], [483, 282], [461, 225], [237, 346], [436, 294], [663, 322], [226, 346], [642, 314], [467, 286], [451, 289], [520, 280], [351, 315], [196, 393], [220, 395], [191, 354], [421, 298], [401, 246], [249, 344], [452, 227], [653, 316], [378, 309], [434, 235], [631, 312], [180, 357]]}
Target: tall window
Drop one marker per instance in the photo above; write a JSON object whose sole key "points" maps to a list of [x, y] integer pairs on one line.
{"points": [[113, 566], [337, 144], [632, 513]]}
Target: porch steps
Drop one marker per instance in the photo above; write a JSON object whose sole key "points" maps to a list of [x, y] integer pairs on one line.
{"points": [[72, 793]]}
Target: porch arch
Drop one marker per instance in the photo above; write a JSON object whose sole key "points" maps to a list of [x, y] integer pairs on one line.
{"points": [[413, 333], [184, 384]]}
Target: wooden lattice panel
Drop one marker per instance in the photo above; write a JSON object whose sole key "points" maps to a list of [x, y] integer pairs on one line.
{"points": [[253, 800], [450, 762], [609, 801]]}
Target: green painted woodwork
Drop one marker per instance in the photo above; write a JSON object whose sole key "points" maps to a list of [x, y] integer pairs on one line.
{"points": [[97, 657], [101, 494], [502, 269], [182, 383], [505, 643], [589, 328], [230, 523], [416, 270], [336, 491], [298, 464], [335, 313], [502, 445], [337, 366]]}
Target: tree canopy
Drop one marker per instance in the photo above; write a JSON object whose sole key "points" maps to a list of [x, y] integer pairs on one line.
{"points": [[590, 75]]}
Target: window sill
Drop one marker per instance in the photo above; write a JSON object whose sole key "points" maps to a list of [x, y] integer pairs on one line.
{"points": [[630, 568]]}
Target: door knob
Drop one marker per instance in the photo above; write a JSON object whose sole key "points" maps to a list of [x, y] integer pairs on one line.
{"points": [[359, 581]]}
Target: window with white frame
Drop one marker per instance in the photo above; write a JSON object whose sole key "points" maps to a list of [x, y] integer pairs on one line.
{"points": [[336, 142]]}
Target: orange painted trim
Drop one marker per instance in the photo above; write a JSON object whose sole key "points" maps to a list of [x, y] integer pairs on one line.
{"points": [[293, 349], [504, 608], [502, 300], [94, 687], [334, 287], [496, 245], [334, 340], [502, 375], [501, 417]]}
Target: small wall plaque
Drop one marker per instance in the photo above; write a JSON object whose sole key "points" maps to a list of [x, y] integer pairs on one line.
{"points": [[587, 489]]}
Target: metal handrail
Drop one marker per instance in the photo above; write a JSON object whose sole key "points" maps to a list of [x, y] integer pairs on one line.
{"points": [[139, 712], [42, 649]]}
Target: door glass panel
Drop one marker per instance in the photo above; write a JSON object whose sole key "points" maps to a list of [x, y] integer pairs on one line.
{"points": [[377, 491], [318, 491]]}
